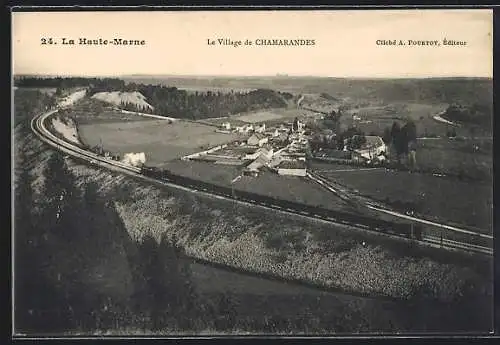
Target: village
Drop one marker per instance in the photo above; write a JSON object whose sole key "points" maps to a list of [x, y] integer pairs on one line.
{"points": [[287, 148]]}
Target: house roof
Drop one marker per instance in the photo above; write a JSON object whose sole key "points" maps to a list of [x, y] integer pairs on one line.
{"points": [[292, 165], [257, 163], [373, 140], [258, 136], [265, 150]]}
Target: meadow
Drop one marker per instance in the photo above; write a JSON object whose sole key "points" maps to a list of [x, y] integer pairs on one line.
{"points": [[470, 159], [438, 198], [376, 118], [160, 140], [267, 183]]}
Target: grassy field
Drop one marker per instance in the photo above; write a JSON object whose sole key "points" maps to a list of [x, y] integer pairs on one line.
{"points": [[437, 197], [267, 183], [374, 119], [269, 117], [260, 116], [159, 140], [93, 111], [469, 158]]}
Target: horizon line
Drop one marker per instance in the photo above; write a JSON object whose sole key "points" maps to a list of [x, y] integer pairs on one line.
{"points": [[278, 75]]}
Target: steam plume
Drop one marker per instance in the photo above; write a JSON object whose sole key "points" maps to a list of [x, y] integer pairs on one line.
{"points": [[134, 159]]}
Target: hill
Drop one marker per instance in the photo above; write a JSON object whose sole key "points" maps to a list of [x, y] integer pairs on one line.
{"points": [[120, 98], [427, 90]]}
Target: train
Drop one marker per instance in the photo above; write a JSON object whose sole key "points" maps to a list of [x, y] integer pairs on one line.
{"points": [[399, 229]]}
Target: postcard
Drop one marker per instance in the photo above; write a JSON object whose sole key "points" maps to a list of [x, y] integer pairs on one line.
{"points": [[209, 172]]}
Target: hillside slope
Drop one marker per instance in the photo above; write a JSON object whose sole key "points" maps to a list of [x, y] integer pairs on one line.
{"points": [[120, 98]]}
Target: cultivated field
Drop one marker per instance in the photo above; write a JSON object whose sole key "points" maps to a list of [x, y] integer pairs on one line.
{"points": [[160, 140], [438, 198]]}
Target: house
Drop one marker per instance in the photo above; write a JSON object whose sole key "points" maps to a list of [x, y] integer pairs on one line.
{"points": [[292, 168], [245, 129], [226, 126], [301, 126], [282, 138], [257, 139], [373, 147], [335, 154], [267, 152], [260, 129], [253, 168]]}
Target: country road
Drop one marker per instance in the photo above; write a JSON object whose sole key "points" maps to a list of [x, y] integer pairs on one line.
{"points": [[38, 127]]}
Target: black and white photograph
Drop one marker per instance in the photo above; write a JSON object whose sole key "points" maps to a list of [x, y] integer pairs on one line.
{"points": [[205, 173]]}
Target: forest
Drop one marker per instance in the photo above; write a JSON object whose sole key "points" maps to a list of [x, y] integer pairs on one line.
{"points": [[170, 101], [474, 114]]}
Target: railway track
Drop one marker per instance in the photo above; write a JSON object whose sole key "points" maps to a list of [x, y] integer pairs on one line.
{"points": [[38, 127]]}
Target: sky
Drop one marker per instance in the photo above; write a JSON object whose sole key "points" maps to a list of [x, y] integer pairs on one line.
{"points": [[176, 43]]}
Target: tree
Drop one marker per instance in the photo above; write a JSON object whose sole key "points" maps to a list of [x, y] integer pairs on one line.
{"points": [[395, 130], [410, 130], [387, 138], [451, 133], [356, 141], [295, 125]]}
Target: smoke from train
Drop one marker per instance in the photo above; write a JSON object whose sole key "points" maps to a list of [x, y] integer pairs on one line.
{"points": [[134, 159]]}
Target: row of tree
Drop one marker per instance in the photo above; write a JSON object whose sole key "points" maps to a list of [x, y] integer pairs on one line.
{"points": [[69, 82]]}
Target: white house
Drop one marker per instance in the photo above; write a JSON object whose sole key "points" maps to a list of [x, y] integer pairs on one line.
{"points": [[226, 126], [301, 126], [257, 139], [292, 168], [244, 129], [261, 128], [373, 147]]}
